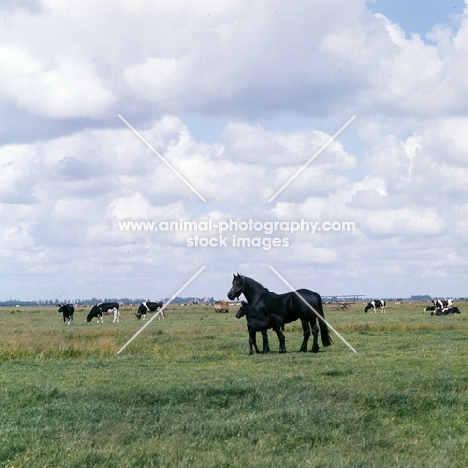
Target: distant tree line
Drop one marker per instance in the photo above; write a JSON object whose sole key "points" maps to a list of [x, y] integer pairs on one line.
{"points": [[179, 300], [95, 300]]}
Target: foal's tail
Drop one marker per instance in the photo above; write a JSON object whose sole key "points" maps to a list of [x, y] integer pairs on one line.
{"points": [[324, 332]]}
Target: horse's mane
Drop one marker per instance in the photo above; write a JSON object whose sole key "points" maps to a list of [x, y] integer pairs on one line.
{"points": [[256, 283]]}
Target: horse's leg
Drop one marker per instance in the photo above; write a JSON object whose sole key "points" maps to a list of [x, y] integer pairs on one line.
{"points": [[266, 347], [315, 346], [306, 328]]}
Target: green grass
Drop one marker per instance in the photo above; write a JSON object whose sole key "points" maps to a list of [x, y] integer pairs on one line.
{"points": [[187, 394]]}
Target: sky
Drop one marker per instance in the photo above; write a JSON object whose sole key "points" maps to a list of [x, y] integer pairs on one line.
{"points": [[331, 136]]}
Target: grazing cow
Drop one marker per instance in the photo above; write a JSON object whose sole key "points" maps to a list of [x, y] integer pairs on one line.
{"points": [[441, 303], [95, 312], [116, 313], [98, 309], [446, 311], [160, 313], [257, 321], [67, 310], [374, 304], [146, 307]]}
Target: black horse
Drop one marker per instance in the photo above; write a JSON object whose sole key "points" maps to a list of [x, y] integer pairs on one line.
{"points": [[257, 321], [301, 304]]}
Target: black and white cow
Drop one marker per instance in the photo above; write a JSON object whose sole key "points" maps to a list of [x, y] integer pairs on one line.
{"points": [[374, 304], [441, 303], [446, 311], [103, 308], [67, 310], [116, 313], [148, 306]]}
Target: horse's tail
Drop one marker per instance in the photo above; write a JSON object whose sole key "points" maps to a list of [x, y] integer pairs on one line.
{"points": [[324, 332]]}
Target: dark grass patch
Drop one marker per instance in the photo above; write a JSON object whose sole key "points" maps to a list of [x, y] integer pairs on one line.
{"points": [[339, 372]]}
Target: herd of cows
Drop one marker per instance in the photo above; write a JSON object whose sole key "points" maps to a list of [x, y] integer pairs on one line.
{"points": [[442, 307], [106, 308], [439, 307]]}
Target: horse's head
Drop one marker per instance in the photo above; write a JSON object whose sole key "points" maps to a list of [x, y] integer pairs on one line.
{"points": [[237, 287], [243, 310]]}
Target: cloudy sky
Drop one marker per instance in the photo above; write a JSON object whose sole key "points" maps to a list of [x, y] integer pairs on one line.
{"points": [[136, 110]]}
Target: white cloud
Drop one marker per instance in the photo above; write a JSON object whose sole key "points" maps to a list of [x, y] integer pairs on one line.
{"points": [[68, 90], [17, 174], [399, 171], [404, 222]]}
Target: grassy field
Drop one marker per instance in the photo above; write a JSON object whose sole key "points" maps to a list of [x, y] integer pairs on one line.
{"points": [[187, 394]]}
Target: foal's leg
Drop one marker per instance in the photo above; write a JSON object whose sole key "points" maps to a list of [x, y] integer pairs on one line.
{"points": [[306, 329], [253, 342], [282, 340], [277, 323]]}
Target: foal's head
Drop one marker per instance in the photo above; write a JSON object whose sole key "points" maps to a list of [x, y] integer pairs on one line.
{"points": [[244, 310]]}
